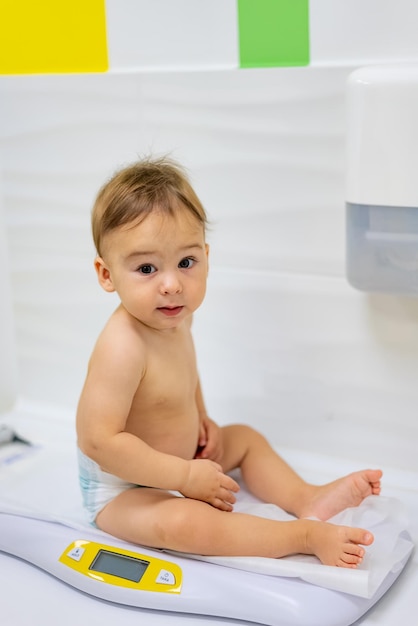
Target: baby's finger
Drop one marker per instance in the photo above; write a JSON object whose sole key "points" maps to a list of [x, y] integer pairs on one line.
{"points": [[230, 484], [227, 496], [221, 504], [207, 452]]}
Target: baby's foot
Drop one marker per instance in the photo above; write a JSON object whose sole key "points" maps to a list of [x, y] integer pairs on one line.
{"points": [[327, 500], [337, 545]]}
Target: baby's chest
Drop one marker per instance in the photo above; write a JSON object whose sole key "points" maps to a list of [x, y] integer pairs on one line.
{"points": [[169, 378]]}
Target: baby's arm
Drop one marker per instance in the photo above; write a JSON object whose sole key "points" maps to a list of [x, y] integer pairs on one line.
{"points": [[103, 409]]}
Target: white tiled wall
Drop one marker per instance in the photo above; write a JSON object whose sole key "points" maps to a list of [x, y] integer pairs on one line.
{"points": [[284, 342], [160, 35], [8, 360], [343, 32], [197, 34]]}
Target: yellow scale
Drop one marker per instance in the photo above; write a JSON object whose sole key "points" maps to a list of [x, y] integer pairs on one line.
{"points": [[123, 568]]}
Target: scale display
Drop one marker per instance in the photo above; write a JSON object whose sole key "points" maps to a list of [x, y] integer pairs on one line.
{"points": [[119, 565], [123, 568]]}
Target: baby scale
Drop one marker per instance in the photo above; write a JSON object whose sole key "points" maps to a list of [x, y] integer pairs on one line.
{"points": [[50, 532], [109, 569]]}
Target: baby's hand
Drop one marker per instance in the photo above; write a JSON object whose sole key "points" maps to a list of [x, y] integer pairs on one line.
{"points": [[207, 482], [210, 445]]}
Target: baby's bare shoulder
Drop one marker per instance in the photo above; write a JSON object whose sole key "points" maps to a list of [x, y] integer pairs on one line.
{"points": [[120, 343]]}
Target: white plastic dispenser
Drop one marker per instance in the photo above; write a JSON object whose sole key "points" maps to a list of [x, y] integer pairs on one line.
{"points": [[382, 179]]}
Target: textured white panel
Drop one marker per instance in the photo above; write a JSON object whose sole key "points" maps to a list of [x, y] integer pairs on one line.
{"points": [[8, 374], [359, 32], [284, 342], [313, 363], [266, 152], [167, 34], [61, 137]]}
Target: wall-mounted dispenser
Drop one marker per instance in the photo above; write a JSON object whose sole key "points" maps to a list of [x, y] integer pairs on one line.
{"points": [[382, 179]]}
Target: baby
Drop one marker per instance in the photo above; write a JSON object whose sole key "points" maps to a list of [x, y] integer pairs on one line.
{"points": [[153, 466]]}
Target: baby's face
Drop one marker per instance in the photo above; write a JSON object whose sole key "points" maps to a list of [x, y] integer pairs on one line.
{"points": [[158, 268]]}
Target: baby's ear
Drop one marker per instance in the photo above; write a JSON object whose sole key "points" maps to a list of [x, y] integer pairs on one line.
{"points": [[103, 274]]}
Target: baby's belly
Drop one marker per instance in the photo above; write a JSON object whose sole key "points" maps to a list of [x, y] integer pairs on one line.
{"points": [[180, 440], [184, 447]]}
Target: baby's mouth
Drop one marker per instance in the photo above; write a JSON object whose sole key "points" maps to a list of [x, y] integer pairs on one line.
{"points": [[170, 311]]}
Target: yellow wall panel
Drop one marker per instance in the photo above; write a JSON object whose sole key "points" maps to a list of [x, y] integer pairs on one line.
{"points": [[47, 36]]}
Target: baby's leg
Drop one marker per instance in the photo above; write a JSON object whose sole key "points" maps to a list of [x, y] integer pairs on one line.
{"points": [[270, 478], [161, 520]]}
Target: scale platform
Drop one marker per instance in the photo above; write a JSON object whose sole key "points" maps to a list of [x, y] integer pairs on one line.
{"points": [[176, 583], [273, 592]]}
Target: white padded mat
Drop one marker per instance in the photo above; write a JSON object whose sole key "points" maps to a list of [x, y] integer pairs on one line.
{"points": [[43, 483]]}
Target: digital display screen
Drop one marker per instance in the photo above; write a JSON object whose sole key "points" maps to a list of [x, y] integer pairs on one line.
{"points": [[126, 567]]}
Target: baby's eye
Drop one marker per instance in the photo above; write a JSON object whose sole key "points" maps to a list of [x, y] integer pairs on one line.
{"points": [[146, 269], [186, 263]]}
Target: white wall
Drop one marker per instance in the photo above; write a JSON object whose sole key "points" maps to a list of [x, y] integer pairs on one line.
{"points": [[8, 360], [197, 34], [284, 342]]}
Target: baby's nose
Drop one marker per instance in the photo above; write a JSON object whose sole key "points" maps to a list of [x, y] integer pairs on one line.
{"points": [[170, 283]]}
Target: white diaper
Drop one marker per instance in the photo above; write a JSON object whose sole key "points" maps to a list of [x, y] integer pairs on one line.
{"points": [[98, 488]]}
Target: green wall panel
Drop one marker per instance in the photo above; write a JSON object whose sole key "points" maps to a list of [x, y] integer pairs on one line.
{"points": [[273, 33]]}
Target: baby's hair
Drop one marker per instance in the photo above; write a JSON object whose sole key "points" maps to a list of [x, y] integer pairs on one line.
{"points": [[140, 188]]}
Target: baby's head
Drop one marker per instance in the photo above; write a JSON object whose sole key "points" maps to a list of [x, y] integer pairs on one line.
{"points": [[139, 189]]}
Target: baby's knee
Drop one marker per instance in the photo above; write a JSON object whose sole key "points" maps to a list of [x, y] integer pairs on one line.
{"points": [[242, 431], [251, 438], [179, 524]]}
